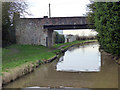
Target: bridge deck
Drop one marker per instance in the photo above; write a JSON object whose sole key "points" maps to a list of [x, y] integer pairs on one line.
{"points": [[58, 23], [67, 27]]}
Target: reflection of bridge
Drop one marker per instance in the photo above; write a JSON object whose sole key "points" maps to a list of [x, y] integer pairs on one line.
{"points": [[40, 30]]}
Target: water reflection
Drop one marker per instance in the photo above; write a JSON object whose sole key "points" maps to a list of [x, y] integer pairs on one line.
{"points": [[61, 59], [47, 76], [84, 58]]}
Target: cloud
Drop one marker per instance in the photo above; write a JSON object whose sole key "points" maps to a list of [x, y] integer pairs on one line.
{"points": [[59, 8]]}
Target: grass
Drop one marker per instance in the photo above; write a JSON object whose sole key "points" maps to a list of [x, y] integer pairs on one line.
{"points": [[16, 55], [66, 45]]}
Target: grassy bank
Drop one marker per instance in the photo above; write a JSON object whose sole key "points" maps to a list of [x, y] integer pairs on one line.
{"points": [[66, 45], [17, 55]]}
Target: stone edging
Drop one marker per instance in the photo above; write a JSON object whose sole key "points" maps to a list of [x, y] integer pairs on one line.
{"points": [[29, 67], [18, 72]]}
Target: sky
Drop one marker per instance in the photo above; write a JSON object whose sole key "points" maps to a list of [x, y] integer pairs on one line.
{"points": [[60, 8]]}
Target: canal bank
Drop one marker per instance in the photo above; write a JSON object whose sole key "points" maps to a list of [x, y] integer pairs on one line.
{"points": [[114, 57], [14, 73], [82, 66]]}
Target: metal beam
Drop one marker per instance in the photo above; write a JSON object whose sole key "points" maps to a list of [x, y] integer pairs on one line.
{"points": [[65, 27]]}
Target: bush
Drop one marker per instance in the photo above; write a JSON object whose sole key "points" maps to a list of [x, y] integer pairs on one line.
{"points": [[59, 38], [107, 23]]}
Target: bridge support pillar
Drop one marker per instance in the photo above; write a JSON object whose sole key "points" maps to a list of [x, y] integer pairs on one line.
{"points": [[50, 38]]}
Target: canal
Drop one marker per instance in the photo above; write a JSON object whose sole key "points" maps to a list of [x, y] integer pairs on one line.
{"points": [[82, 66]]}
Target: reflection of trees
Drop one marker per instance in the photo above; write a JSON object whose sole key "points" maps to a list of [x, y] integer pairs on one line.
{"points": [[83, 48], [73, 48], [107, 63], [91, 45], [61, 59]]}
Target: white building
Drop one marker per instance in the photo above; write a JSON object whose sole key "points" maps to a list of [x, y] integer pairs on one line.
{"points": [[70, 38]]}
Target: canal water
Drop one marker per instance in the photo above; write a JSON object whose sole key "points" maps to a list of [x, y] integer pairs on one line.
{"points": [[80, 67]]}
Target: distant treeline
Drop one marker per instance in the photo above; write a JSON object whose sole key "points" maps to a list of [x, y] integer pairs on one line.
{"points": [[85, 37], [106, 19], [58, 38]]}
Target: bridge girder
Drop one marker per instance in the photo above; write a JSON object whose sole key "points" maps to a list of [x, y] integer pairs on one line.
{"points": [[68, 27]]}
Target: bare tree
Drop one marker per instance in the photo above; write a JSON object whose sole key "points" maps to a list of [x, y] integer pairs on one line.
{"points": [[8, 11]]}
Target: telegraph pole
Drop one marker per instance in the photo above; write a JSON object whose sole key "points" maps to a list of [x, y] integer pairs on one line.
{"points": [[49, 11]]}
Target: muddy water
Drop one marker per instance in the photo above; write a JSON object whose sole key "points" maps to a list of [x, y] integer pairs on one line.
{"points": [[80, 67]]}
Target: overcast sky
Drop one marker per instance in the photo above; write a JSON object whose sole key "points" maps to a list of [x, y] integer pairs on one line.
{"points": [[59, 8]]}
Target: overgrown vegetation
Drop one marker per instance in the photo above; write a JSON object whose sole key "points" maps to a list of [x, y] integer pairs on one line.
{"points": [[106, 18], [9, 9], [86, 37], [59, 38]]}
